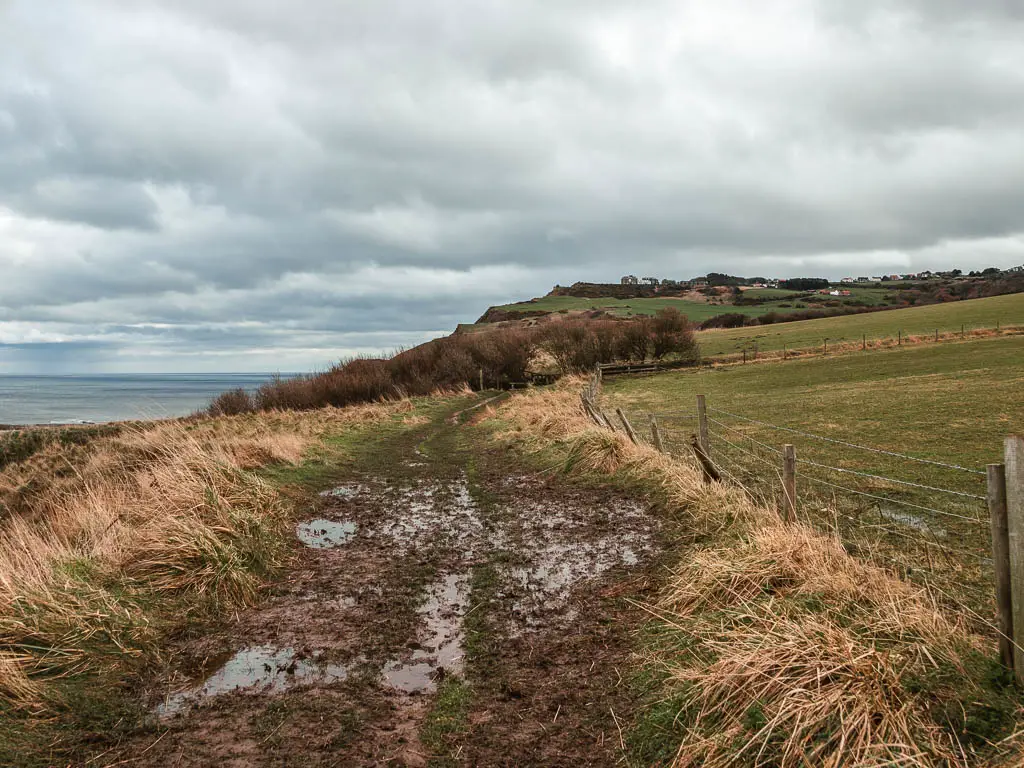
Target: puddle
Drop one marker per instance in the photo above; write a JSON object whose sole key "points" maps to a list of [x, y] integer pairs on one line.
{"points": [[325, 534], [899, 515], [441, 638], [343, 492], [258, 669]]}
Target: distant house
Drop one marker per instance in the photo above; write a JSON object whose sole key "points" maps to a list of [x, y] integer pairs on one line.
{"points": [[863, 280], [649, 281], [847, 280], [1016, 269], [630, 280], [670, 283], [758, 285], [876, 280], [910, 276], [894, 277], [700, 282]]}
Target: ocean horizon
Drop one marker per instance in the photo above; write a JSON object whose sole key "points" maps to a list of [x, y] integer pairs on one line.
{"points": [[27, 399]]}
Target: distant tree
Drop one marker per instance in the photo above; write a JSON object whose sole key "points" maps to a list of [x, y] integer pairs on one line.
{"points": [[804, 283], [718, 278], [990, 271]]}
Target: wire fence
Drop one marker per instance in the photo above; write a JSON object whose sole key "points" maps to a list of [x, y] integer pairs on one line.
{"points": [[923, 517]]}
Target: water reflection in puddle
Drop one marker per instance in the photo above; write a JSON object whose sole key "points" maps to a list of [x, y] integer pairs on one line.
{"points": [[258, 669], [441, 639], [325, 534], [344, 492], [901, 516]]}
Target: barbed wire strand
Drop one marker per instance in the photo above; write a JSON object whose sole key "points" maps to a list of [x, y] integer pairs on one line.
{"points": [[745, 435], [848, 445], [889, 479], [743, 450], [891, 501]]}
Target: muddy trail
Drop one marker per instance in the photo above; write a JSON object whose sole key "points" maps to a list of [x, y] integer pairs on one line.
{"points": [[445, 607]]}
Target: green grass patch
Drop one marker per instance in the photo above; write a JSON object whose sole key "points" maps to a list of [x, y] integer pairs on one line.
{"points": [[447, 720], [913, 321]]}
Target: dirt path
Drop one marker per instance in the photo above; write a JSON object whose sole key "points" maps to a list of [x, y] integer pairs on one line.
{"points": [[444, 608]]}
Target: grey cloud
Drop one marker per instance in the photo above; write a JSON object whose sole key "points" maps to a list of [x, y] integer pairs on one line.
{"points": [[184, 164]]}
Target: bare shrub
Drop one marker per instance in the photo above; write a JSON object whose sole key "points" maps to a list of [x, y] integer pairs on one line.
{"points": [[671, 333], [635, 340], [231, 403]]}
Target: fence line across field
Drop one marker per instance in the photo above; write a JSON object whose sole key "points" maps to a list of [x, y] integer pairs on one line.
{"points": [[1005, 499]]}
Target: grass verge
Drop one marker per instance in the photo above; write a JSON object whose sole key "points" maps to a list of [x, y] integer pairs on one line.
{"points": [[108, 547]]}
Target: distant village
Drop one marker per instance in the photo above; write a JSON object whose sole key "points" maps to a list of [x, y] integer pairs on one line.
{"points": [[713, 279]]}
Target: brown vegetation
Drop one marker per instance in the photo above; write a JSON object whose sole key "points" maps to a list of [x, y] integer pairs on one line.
{"points": [[491, 359]]}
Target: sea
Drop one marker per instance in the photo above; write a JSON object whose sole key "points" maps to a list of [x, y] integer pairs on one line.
{"points": [[100, 398]]}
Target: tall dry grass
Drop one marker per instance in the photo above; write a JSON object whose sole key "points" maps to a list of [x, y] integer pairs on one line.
{"points": [[791, 652], [96, 539]]}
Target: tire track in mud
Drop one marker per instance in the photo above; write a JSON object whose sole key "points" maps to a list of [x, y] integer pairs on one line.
{"points": [[437, 568]]}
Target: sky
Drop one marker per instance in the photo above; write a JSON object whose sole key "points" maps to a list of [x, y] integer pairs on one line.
{"points": [[251, 185]]}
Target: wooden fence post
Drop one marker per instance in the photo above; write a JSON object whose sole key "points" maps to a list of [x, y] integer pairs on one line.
{"points": [[744, 356], [936, 334], [626, 426], [656, 434], [864, 342], [1014, 460], [899, 338], [824, 347], [1001, 560], [481, 379], [702, 425], [784, 351], [789, 482], [708, 469]]}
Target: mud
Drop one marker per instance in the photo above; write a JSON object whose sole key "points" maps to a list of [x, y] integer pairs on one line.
{"points": [[407, 576]]}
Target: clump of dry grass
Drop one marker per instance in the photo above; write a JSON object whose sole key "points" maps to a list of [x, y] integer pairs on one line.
{"points": [[795, 653], [806, 691]]}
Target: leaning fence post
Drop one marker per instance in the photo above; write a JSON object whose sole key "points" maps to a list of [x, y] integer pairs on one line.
{"points": [[789, 482], [1014, 459], [627, 426], [702, 425], [1001, 560], [656, 434]]}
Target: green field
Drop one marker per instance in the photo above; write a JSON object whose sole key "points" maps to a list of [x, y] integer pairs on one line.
{"points": [[952, 402], [946, 318], [696, 311]]}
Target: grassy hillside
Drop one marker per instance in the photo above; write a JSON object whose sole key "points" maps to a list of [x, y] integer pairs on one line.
{"points": [[694, 310], [947, 318], [951, 402]]}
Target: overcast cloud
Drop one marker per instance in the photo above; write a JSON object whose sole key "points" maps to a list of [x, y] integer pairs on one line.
{"points": [[237, 185]]}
